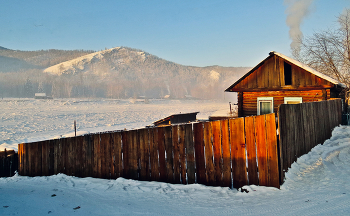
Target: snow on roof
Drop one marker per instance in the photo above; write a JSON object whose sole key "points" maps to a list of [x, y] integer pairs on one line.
{"points": [[309, 69]]}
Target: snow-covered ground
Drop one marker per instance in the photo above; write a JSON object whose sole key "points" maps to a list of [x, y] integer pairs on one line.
{"points": [[29, 120], [317, 184]]}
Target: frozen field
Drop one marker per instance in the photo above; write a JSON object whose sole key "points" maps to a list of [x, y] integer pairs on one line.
{"points": [[28, 120], [317, 184]]}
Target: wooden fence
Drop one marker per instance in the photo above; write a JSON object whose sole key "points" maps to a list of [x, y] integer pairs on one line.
{"points": [[303, 126], [8, 163], [230, 153]]}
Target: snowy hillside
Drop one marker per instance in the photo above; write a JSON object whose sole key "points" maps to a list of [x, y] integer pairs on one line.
{"points": [[83, 63]]}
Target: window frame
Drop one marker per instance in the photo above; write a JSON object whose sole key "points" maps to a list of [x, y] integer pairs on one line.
{"points": [[287, 99], [264, 99]]}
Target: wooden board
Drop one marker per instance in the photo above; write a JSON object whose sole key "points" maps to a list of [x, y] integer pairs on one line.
{"points": [[210, 170], [260, 134], [251, 150], [51, 156], [154, 154], [45, 159], [132, 154], [169, 154], [272, 154], [226, 154], [216, 131], [88, 140], [175, 140], [20, 159], [117, 154], [79, 156], [182, 154], [125, 156], [161, 154], [143, 161], [238, 157], [96, 141], [190, 154], [199, 153]]}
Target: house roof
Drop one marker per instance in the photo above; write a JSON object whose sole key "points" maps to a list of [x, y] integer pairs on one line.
{"points": [[295, 62], [173, 116]]}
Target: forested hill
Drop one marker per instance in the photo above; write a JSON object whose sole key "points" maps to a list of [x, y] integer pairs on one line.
{"points": [[37, 59], [119, 72]]}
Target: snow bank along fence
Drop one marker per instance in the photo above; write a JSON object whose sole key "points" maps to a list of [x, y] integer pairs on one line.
{"points": [[231, 153], [8, 163], [303, 126]]}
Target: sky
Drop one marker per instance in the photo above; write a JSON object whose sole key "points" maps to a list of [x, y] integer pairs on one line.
{"points": [[189, 32]]}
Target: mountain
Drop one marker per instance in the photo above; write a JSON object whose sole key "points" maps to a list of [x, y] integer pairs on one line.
{"points": [[3, 48], [36, 59], [119, 72]]}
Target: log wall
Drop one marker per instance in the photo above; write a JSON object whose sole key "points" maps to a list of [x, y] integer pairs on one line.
{"points": [[249, 99]]}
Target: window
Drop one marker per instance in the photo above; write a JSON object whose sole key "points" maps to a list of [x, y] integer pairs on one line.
{"points": [[293, 100], [265, 105], [287, 74]]}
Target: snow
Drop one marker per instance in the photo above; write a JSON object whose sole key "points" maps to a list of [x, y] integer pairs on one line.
{"points": [[317, 184], [78, 62], [30, 120]]}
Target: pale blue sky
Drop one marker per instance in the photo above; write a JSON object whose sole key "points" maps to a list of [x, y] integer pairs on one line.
{"points": [[189, 32]]}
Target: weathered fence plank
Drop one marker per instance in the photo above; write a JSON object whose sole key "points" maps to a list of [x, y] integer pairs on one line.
{"points": [[20, 159], [176, 154], [261, 149], [169, 154], [210, 171], [45, 159], [249, 127], [51, 155], [182, 154], [226, 154], [117, 154], [199, 152], [190, 154], [153, 147], [79, 161], [144, 150], [88, 142], [161, 153], [272, 154], [125, 154], [132, 150], [238, 157], [216, 130]]}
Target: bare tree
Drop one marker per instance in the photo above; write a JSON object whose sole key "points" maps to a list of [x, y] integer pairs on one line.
{"points": [[329, 51]]}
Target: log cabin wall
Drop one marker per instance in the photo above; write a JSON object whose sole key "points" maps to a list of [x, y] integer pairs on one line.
{"points": [[248, 100]]}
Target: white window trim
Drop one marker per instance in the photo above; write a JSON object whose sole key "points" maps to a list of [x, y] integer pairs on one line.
{"points": [[270, 99], [287, 99]]}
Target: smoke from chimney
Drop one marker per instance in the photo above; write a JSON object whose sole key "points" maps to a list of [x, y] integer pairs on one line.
{"points": [[297, 10]]}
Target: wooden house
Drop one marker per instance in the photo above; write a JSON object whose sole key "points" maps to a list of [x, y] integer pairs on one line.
{"points": [[280, 79]]}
